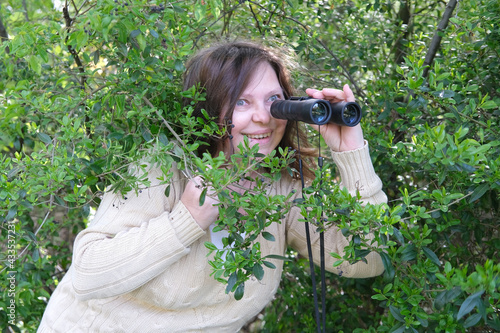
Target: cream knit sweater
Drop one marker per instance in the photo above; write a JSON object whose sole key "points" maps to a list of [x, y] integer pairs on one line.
{"points": [[141, 265]]}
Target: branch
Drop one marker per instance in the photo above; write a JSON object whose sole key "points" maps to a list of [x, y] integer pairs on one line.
{"points": [[174, 133], [346, 72], [255, 18], [438, 209], [69, 22], [436, 40], [213, 23], [4, 36], [25, 7]]}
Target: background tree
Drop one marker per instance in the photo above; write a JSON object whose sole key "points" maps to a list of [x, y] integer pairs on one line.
{"points": [[88, 87]]}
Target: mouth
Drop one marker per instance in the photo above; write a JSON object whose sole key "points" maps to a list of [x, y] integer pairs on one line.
{"points": [[258, 136]]}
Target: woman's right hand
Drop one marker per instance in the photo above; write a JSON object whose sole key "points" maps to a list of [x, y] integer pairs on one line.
{"points": [[206, 214]]}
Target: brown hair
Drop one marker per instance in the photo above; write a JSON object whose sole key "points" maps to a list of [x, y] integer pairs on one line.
{"points": [[223, 72]]}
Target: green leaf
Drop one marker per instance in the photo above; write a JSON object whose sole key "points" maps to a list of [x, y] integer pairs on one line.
{"points": [[154, 33], [443, 76], [446, 296], [396, 314], [261, 221], [116, 135], [399, 236], [472, 320], [269, 264], [268, 236], [398, 329], [163, 139], [211, 246], [258, 271], [472, 87], [469, 304], [338, 263], [489, 105], [199, 11], [179, 65], [231, 282], [30, 236], [431, 255], [444, 93], [35, 65], [96, 56], [135, 33], [409, 253], [379, 297], [275, 256], [240, 291], [479, 191], [45, 138], [336, 255], [389, 271], [11, 213], [146, 135], [203, 195], [35, 255]]}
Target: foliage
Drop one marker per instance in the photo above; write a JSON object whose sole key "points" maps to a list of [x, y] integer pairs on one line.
{"points": [[244, 213], [87, 91]]}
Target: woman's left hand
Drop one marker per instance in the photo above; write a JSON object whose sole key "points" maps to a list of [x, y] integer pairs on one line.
{"points": [[338, 138]]}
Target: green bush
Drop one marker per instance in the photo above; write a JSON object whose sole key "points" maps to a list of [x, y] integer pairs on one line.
{"points": [[85, 92]]}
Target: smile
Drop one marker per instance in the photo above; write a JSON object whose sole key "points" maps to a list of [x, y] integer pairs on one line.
{"points": [[258, 136]]}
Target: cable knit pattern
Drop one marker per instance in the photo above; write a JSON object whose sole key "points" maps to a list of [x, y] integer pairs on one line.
{"points": [[141, 265], [357, 174]]}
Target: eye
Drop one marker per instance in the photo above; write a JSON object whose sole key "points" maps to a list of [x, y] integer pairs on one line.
{"points": [[274, 98], [241, 102]]}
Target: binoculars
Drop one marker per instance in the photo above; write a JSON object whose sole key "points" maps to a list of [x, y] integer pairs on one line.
{"points": [[317, 111]]}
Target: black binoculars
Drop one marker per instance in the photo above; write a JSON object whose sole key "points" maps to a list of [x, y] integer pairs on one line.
{"points": [[317, 111]]}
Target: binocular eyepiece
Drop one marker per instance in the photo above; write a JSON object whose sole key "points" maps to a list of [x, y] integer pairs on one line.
{"points": [[317, 111]]}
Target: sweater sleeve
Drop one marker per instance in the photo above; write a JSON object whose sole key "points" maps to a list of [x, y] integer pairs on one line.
{"points": [[131, 240], [357, 174]]}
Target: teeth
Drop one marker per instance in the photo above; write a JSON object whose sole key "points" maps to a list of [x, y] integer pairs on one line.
{"points": [[258, 136]]}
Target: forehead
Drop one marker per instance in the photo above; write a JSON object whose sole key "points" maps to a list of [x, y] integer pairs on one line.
{"points": [[263, 79]]}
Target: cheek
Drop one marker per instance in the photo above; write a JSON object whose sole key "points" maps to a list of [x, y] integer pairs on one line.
{"points": [[239, 122], [281, 125]]}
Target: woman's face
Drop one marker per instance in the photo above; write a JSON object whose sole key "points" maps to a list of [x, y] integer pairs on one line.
{"points": [[252, 117]]}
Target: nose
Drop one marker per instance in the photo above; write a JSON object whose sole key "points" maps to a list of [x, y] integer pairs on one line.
{"points": [[261, 114]]}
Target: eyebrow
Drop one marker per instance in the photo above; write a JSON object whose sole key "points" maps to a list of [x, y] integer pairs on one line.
{"points": [[275, 91]]}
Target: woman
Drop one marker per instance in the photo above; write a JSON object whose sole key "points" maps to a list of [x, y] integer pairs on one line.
{"points": [[141, 265]]}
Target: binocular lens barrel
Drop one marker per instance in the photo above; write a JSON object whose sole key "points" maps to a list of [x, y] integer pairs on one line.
{"points": [[317, 111]]}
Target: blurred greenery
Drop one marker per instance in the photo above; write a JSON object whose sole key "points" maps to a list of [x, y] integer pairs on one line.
{"points": [[87, 90]]}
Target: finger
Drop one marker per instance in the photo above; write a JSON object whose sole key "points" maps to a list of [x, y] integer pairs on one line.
{"points": [[315, 93], [334, 94], [348, 94]]}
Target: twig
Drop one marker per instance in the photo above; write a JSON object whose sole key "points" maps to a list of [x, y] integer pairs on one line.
{"points": [[86, 10], [4, 36], [308, 31], [25, 7], [74, 6], [69, 22], [213, 23], [78, 10], [165, 122], [255, 18], [448, 205], [436, 40], [51, 200], [82, 103]]}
